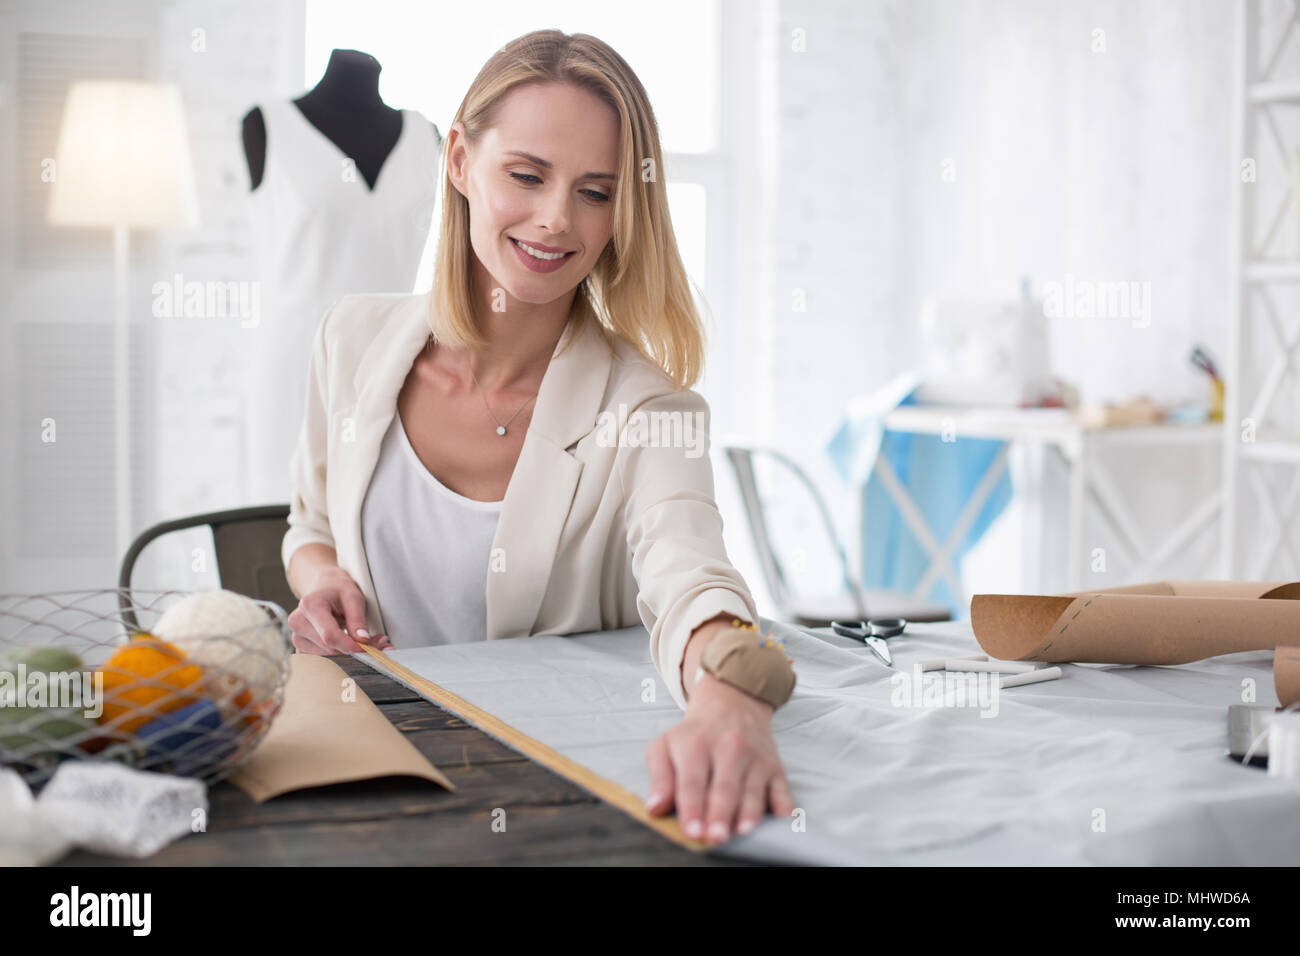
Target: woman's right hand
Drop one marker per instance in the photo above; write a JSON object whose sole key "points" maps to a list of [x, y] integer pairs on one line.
{"points": [[333, 603]]}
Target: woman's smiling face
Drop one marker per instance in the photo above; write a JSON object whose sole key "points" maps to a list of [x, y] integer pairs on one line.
{"points": [[542, 176]]}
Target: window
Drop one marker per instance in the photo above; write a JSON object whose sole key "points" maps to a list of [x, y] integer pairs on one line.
{"points": [[430, 54]]}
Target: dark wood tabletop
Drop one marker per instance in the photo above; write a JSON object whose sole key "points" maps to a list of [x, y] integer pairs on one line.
{"points": [[408, 821]]}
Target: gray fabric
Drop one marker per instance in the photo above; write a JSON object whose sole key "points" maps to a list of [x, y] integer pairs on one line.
{"points": [[886, 784]]}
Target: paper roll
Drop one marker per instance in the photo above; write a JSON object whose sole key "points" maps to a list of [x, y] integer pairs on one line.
{"points": [[1286, 675], [1161, 622]]}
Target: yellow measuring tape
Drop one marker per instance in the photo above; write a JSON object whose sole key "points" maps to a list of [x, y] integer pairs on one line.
{"points": [[607, 790]]}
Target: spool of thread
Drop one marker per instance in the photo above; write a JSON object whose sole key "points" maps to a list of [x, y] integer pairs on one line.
{"points": [[1284, 745]]}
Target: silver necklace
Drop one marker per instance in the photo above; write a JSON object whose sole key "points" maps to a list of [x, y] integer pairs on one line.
{"points": [[501, 429]]}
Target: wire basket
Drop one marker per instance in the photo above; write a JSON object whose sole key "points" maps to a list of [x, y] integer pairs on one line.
{"points": [[83, 677]]}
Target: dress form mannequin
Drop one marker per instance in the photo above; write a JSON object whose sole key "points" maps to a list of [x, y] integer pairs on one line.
{"points": [[341, 192], [345, 105]]}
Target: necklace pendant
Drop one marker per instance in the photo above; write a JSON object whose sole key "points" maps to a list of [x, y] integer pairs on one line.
{"points": [[501, 429]]}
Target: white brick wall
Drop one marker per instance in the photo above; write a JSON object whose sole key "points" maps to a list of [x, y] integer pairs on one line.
{"points": [[225, 56], [1107, 165]]}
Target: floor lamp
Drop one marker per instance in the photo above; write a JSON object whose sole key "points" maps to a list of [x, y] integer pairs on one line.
{"points": [[123, 163]]}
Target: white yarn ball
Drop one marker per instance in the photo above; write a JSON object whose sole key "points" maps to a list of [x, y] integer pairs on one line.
{"points": [[229, 631]]}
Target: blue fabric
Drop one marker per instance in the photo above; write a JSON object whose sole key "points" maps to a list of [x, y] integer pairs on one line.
{"points": [[940, 476]]}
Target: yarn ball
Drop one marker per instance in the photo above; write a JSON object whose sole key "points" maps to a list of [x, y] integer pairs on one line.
{"points": [[189, 740], [241, 706], [33, 732], [146, 677], [51, 660], [237, 642], [29, 731]]}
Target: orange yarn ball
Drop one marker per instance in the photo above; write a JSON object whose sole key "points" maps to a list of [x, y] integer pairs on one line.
{"points": [[147, 677], [253, 714]]}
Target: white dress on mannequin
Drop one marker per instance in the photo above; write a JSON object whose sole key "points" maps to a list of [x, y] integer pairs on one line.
{"points": [[321, 233]]}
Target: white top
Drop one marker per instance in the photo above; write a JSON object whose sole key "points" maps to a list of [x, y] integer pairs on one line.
{"points": [[320, 233], [428, 549]]}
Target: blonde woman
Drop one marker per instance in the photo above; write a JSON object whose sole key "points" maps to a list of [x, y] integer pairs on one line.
{"points": [[476, 463]]}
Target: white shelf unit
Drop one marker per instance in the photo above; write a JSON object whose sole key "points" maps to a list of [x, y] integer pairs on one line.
{"points": [[1261, 477]]}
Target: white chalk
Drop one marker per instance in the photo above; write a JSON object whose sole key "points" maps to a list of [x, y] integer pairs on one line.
{"points": [[1042, 674], [997, 667], [938, 663]]}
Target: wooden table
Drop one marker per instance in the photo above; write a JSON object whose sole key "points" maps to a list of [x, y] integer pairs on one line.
{"points": [[406, 821]]}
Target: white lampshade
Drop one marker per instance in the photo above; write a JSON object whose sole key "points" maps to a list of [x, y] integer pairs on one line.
{"points": [[123, 158]]}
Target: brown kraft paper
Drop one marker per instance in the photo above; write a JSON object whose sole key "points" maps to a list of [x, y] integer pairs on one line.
{"points": [[1161, 622], [320, 737], [1286, 675]]}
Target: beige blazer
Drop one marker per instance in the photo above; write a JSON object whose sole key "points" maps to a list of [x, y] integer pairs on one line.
{"points": [[609, 519]]}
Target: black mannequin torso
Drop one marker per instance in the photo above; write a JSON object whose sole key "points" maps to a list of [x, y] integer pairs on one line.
{"points": [[346, 107]]}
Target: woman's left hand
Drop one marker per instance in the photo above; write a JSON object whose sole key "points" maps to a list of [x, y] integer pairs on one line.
{"points": [[719, 767]]}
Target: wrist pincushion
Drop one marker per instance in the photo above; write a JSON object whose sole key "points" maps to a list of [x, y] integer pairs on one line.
{"points": [[755, 664]]}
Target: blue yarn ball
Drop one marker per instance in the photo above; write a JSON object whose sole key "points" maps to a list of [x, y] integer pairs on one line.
{"points": [[191, 738]]}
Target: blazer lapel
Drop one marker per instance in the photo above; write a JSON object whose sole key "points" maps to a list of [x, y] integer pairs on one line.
{"points": [[541, 488], [545, 478], [379, 377]]}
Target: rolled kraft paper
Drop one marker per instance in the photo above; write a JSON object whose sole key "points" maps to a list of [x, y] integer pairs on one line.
{"points": [[1286, 675], [1162, 622]]}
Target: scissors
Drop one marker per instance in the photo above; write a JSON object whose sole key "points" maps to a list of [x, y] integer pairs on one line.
{"points": [[872, 633]]}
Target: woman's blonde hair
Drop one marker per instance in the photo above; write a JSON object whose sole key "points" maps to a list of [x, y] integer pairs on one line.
{"points": [[638, 289]]}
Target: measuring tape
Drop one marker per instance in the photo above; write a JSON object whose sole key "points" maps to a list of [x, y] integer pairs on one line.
{"points": [[606, 790]]}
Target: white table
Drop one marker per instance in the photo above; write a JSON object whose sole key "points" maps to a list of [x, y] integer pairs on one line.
{"points": [[1090, 480]]}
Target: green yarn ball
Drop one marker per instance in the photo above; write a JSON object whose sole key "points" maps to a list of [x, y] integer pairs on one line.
{"points": [[38, 729], [51, 660]]}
